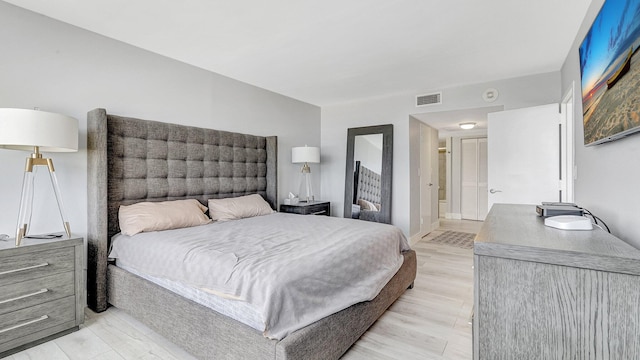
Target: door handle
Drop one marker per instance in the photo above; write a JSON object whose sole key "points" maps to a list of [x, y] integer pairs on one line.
{"points": [[493, 191]]}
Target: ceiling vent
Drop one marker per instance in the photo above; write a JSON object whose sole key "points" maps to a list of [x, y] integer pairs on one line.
{"points": [[429, 99]]}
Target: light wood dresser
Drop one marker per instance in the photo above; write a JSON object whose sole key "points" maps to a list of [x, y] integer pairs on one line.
{"points": [[41, 291], [544, 293]]}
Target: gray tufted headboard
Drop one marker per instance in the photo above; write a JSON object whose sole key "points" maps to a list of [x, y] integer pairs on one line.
{"points": [[368, 185], [132, 160]]}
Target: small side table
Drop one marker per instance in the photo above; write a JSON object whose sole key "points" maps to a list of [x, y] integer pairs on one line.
{"points": [[41, 291], [308, 208]]}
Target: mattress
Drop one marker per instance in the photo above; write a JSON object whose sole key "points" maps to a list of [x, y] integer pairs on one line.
{"points": [[236, 309], [285, 269]]}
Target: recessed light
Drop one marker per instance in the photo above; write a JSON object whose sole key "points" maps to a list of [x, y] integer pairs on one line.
{"points": [[468, 125]]}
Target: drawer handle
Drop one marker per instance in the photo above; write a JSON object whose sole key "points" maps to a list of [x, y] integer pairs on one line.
{"points": [[319, 212], [41, 291], [41, 318], [23, 269]]}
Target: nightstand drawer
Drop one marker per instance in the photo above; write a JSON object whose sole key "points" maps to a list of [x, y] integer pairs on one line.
{"points": [[22, 267], [302, 208], [33, 292], [41, 291], [319, 209], [20, 324]]}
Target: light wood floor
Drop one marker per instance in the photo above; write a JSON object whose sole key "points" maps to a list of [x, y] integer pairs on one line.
{"points": [[430, 321]]}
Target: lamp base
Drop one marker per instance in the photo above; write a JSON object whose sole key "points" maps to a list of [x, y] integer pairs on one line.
{"points": [[26, 200], [306, 190]]}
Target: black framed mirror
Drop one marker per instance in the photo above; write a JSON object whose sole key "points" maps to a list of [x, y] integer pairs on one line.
{"points": [[367, 193]]}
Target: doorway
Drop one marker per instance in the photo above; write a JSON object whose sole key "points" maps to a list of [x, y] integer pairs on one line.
{"points": [[446, 123], [450, 135]]}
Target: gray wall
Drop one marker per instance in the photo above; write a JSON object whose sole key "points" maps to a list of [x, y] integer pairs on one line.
{"points": [[61, 68], [608, 174]]}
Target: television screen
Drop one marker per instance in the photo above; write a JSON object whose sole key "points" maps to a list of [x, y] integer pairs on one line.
{"points": [[610, 73]]}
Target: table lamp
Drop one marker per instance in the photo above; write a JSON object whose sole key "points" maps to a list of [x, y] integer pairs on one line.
{"points": [[306, 154], [36, 131]]}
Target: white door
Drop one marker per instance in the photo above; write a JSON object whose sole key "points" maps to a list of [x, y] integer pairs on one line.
{"points": [[428, 178], [523, 155], [473, 179], [469, 179]]}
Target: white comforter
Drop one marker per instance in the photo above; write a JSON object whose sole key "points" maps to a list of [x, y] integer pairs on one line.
{"points": [[294, 269]]}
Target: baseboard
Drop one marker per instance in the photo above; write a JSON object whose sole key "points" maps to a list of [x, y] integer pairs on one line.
{"points": [[454, 216], [435, 224], [415, 238]]}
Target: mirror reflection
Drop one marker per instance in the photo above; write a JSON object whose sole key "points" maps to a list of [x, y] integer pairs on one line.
{"points": [[367, 155], [368, 173]]}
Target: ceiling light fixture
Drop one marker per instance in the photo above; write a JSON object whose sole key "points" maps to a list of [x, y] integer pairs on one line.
{"points": [[467, 125]]}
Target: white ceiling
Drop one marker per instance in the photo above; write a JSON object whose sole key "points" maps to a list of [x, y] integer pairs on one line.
{"points": [[332, 51], [448, 122]]}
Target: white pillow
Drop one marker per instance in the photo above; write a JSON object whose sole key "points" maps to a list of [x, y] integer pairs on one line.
{"points": [[238, 207], [367, 205], [165, 215]]}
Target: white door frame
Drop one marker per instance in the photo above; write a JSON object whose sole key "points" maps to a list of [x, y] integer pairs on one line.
{"points": [[567, 147]]}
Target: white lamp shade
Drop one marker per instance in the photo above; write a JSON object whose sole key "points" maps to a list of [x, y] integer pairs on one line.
{"points": [[305, 154], [22, 129]]}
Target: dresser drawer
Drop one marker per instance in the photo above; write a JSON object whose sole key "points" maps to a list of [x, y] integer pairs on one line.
{"points": [[21, 323], [33, 292], [23, 267]]}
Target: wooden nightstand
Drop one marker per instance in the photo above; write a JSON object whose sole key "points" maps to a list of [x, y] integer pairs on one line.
{"points": [[308, 208], [41, 291]]}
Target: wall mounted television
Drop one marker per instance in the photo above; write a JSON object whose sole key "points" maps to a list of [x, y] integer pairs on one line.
{"points": [[610, 73]]}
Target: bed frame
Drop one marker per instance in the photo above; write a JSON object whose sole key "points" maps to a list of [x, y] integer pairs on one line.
{"points": [[132, 160]]}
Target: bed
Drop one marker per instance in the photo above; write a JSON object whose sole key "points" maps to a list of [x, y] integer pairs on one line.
{"points": [[131, 161]]}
